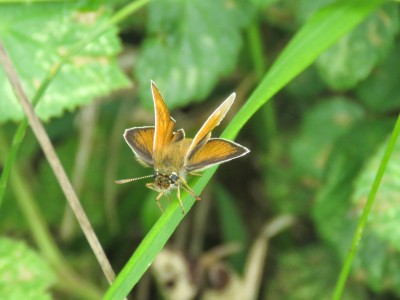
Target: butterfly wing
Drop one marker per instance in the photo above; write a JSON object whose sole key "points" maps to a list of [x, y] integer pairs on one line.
{"points": [[178, 135], [215, 151], [164, 125], [213, 121], [140, 139]]}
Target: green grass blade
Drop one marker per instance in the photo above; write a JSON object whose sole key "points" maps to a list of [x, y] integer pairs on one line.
{"points": [[11, 156], [344, 273], [320, 32]]}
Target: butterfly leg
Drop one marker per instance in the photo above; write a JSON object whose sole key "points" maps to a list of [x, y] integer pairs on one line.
{"points": [[188, 189], [158, 201], [179, 199]]}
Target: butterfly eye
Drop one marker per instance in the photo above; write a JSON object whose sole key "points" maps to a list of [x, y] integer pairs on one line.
{"points": [[155, 174], [173, 178]]}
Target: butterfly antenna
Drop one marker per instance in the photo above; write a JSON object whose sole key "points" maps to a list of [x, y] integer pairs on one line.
{"points": [[122, 181]]}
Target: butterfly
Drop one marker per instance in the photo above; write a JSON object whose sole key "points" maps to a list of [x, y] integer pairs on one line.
{"points": [[172, 155]]}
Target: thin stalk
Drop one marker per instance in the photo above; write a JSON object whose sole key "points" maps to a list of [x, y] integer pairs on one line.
{"points": [[55, 164], [68, 279], [16, 143], [367, 209], [268, 119]]}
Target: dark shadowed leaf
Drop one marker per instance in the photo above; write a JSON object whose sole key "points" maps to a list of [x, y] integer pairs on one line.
{"points": [[321, 126], [380, 91], [309, 273], [190, 46]]}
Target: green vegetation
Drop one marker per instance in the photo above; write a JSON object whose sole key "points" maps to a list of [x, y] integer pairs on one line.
{"points": [[317, 102]]}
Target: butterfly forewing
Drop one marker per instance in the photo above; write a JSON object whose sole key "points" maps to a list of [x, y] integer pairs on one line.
{"points": [[213, 121], [215, 151], [164, 125], [140, 139]]}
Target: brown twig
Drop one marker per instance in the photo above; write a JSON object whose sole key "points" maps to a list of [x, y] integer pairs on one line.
{"points": [[55, 164], [255, 263]]}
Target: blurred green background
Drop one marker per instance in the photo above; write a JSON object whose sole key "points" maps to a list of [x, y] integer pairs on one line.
{"points": [[315, 147]]}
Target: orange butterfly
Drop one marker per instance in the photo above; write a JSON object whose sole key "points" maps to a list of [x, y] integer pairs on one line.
{"points": [[172, 155]]}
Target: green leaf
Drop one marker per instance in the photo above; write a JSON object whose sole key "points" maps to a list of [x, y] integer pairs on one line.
{"points": [[321, 126], [353, 57], [336, 215], [23, 273], [281, 181], [380, 91], [384, 218], [332, 212], [320, 32], [37, 35], [192, 44], [308, 85]]}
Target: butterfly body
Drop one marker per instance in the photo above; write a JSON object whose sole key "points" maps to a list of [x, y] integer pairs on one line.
{"points": [[171, 158], [172, 155]]}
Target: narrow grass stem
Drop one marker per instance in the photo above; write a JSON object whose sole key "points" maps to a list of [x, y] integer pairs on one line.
{"points": [[268, 119], [367, 209], [55, 164]]}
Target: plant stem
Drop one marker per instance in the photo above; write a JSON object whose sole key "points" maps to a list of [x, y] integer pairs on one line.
{"points": [[55, 164], [16, 143], [68, 279], [367, 209], [268, 119]]}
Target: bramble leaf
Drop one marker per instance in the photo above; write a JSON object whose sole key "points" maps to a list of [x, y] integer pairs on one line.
{"points": [[23, 273], [36, 36]]}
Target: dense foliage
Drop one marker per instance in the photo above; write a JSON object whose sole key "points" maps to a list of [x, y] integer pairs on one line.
{"points": [[315, 147]]}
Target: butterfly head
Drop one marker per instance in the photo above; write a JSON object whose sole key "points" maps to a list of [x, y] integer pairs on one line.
{"points": [[164, 182]]}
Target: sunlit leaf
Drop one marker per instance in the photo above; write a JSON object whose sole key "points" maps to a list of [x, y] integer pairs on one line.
{"points": [[23, 273], [36, 36], [384, 219]]}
